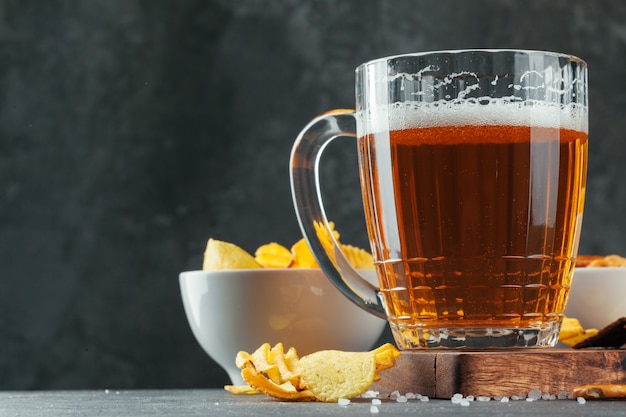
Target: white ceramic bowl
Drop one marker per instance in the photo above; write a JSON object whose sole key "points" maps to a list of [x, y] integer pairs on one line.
{"points": [[235, 310], [597, 296]]}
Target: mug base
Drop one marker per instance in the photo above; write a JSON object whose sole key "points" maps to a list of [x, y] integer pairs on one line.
{"points": [[414, 338]]}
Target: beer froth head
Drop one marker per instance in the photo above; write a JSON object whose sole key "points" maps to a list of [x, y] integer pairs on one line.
{"points": [[434, 89]]}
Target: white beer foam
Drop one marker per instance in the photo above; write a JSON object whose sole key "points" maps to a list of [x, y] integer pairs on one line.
{"points": [[473, 112]]}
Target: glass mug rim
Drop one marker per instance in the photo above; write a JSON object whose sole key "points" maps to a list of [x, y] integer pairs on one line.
{"points": [[494, 51]]}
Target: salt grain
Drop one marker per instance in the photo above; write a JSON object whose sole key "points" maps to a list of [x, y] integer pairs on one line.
{"points": [[482, 398], [370, 394], [373, 409], [465, 403], [504, 400], [401, 399], [424, 398], [470, 398], [562, 395], [515, 397], [343, 402], [410, 396], [376, 401], [581, 400]]}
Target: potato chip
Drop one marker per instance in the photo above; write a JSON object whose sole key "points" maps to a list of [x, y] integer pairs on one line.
{"points": [[386, 356], [570, 327], [302, 256], [284, 391], [600, 392], [358, 258], [571, 341], [271, 371], [273, 255], [325, 238], [241, 389], [332, 374], [223, 255]]}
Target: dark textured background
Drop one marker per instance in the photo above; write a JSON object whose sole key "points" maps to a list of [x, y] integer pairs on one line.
{"points": [[131, 131]]}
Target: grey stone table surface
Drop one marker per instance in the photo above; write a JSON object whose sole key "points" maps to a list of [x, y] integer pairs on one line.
{"points": [[216, 402]]}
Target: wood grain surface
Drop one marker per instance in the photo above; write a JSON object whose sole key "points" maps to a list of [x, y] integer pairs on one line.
{"points": [[441, 374]]}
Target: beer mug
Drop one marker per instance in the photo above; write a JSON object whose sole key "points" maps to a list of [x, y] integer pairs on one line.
{"points": [[473, 170]]}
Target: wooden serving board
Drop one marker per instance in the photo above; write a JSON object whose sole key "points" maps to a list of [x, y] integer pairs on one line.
{"points": [[441, 374]]}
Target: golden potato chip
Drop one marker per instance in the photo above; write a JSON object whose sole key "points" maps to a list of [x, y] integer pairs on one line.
{"points": [[569, 328], [241, 389], [332, 374], [358, 258], [284, 391], [302, 256], [273, 255], [600, 392], [386, 356], [260, 359], [325, 238], [223, 255], [571, 341], [272, 362], [271, 371]]}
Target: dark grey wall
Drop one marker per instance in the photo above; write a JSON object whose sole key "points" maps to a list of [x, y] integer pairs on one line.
{"points": [[132, 131]]}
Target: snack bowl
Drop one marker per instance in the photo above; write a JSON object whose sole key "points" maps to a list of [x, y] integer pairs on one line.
{"points": [[240, 309], [597, 296]]}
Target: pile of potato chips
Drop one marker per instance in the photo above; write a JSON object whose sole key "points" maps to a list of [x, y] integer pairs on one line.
{"points": [[326, 376], [221, 255]]}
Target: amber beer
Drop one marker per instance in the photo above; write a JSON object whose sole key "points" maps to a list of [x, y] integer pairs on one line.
{"points": [[473, 226]]}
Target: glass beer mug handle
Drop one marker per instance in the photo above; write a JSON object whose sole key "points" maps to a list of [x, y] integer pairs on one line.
{"points": [[305, 188]]}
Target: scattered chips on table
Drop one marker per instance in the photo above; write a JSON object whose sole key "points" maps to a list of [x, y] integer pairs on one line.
{"points": [[326, 376]]}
